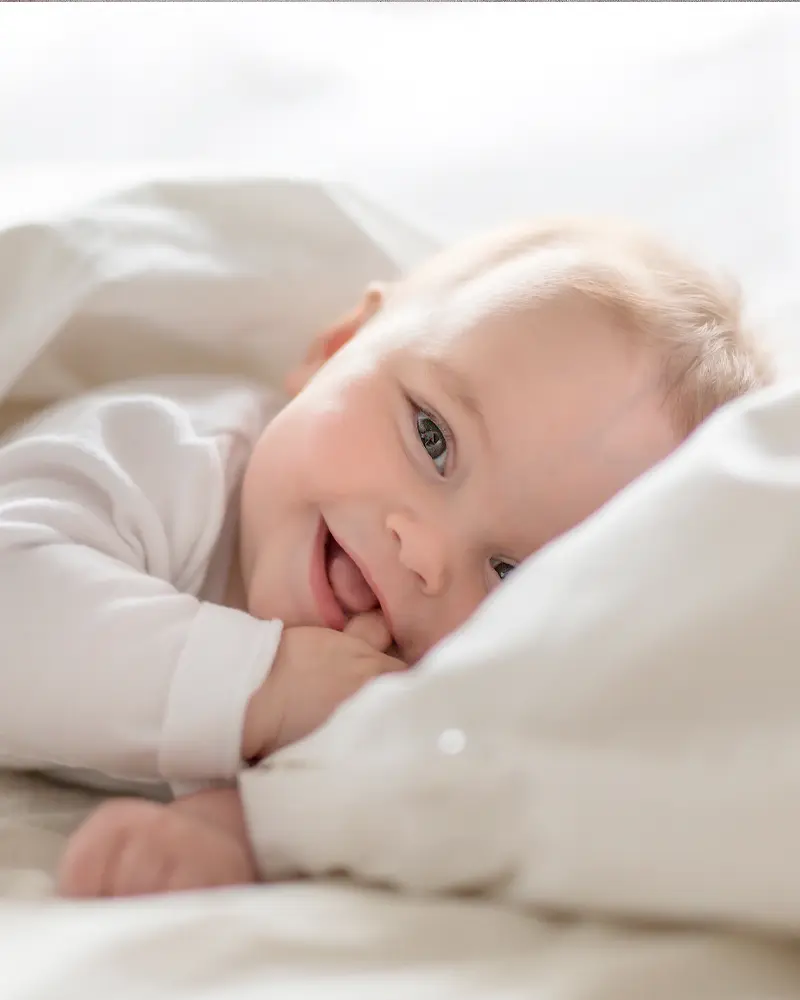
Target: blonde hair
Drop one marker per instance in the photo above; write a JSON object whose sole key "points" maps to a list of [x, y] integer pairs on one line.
{"points": [[691, 318]]}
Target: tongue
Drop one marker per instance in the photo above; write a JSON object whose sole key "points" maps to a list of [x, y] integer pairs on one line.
{"points": [[351, 589]]}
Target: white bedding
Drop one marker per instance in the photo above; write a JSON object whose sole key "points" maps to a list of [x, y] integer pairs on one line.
{"points": [[328, 940], [683, 116]]}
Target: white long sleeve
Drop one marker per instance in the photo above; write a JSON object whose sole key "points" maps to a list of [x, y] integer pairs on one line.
{"points": [[112, 511]]}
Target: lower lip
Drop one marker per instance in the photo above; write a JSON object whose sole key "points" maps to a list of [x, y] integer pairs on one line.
{"points": [[329, 609]]}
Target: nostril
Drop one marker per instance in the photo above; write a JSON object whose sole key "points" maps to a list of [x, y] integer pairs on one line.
{"points": [[419, 551], [392, 526]]}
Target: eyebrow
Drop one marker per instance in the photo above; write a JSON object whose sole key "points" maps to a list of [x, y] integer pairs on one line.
{"points": [[458, 388]]}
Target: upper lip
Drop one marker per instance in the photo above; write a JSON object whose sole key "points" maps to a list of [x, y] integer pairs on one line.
{"points": [[370, 581]]}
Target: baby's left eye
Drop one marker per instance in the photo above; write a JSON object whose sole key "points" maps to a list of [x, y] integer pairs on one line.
{"points": [[502, 567]]}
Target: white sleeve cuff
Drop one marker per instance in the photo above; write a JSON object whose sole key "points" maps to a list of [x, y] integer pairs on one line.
{"points": [[227, 655]]}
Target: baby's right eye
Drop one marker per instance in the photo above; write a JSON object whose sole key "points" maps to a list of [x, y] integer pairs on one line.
{"points": [[434, 439]]}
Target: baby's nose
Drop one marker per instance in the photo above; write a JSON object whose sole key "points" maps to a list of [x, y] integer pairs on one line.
{"points": [[421, 549]]}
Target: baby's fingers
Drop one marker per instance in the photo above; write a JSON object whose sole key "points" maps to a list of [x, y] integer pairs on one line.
{"points": [[370, 627], [389, 664]]}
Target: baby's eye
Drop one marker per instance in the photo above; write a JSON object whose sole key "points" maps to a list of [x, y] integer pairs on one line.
{"points": [[433, 438], [502, 567]]}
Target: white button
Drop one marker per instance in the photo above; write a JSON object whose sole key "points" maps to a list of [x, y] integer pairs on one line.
{"points": [[452, 741]]}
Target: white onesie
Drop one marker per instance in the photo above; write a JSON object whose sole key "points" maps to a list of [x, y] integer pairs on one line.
{"points": [[117, 518]]}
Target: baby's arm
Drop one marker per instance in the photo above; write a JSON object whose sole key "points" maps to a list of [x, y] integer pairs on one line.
{"points": [[109, 510], [130, 847]]}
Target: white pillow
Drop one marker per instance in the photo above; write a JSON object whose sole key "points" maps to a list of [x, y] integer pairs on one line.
{"points": [[616, 730]]}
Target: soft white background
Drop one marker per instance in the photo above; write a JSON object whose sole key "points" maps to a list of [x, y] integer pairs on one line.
{"points": [[455, 115]]}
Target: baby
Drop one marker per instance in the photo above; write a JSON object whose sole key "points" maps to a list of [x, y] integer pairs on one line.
{"points": [[216, 577]]}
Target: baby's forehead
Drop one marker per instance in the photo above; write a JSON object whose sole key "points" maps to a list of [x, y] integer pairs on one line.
{"points": [[511, 289], [502, 281], [529, 294], [493, 269]]}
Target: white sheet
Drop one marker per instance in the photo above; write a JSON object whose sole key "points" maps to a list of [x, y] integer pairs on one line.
{"points": [[452, 116]]}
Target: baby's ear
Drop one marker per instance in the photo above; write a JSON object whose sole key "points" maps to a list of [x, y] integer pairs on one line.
{"points": [[327, 343]]}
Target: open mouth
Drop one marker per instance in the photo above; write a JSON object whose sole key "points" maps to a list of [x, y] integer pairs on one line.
{"points": [[339, 586], [330, 610]]}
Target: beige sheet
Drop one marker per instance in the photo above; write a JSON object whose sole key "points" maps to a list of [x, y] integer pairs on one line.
{"points": [[35, 817], [329, 941]]}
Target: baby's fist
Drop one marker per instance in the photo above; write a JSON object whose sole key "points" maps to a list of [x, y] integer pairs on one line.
{"points": [[315, 670]]}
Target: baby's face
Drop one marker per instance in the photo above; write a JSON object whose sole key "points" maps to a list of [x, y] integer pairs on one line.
{"points": [[451, 438]]}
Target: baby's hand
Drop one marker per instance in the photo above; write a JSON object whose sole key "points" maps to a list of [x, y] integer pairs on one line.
{"points": [[315, 670], [129, 847]]}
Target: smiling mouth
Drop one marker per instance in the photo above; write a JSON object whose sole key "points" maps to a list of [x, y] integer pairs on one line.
{"points": [[331, 611], [341, 586]]}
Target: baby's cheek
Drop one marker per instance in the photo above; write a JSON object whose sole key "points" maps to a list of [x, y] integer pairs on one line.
{"points": [[256, 503], [340, 444], [462, 605], [353, 439]]}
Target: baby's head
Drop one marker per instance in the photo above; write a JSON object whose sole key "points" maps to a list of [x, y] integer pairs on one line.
{"points": [[460, 420]]}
